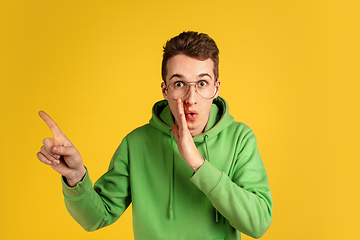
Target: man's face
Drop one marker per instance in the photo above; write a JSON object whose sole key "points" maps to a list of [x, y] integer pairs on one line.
{"points": [[196, 109]]}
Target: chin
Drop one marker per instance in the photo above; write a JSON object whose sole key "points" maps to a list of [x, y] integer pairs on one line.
{"points": [[194, 129]]}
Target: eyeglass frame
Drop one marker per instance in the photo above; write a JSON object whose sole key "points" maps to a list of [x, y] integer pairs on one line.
{"points": [[194, 85]]}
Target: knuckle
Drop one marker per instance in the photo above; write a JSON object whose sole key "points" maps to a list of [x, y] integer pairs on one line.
{"points": [[43, 150], [41, 157], [48, 144], [46, 154], [59, 149], [47, 141]]}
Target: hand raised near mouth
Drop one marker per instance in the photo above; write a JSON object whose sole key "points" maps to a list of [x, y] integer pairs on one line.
{"points": [[185, 142]]}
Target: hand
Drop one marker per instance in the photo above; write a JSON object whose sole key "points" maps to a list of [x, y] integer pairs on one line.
{"points": [[60, 154], [185, 143]]}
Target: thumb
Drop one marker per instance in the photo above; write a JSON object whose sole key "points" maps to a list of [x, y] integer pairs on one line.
{"points": [[69, 151]]}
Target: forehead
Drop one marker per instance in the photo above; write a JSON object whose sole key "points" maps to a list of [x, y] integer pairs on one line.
{"points": [[189, 68]]}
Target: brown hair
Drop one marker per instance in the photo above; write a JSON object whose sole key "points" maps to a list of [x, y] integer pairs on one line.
{"points": [[192, 44]]}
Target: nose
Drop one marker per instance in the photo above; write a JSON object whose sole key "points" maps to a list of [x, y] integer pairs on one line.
{"points": [[191, 96]]}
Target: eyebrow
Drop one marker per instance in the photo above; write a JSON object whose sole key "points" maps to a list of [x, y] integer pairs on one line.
{"points": [[181, 76], [204, 75], [176, 75]]}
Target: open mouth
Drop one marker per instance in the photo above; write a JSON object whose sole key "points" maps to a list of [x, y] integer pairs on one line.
{"points": [[191, 114]]}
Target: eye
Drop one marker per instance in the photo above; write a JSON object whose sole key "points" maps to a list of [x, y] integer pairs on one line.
{"points": [[178, 84], [202, 83]]}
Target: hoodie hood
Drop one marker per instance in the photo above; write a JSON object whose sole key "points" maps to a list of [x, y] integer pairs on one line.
{"points": [[219, 119]]}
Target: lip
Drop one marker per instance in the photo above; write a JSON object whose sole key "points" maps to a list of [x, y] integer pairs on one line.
{"points": [[190, 114]]}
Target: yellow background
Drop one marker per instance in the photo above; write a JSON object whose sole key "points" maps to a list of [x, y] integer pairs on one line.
{"points": [[289, 70]]}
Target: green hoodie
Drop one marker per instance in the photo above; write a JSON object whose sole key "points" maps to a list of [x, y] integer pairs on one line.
{"points": [[229, 193]]}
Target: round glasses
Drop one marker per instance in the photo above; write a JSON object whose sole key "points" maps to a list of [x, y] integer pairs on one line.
{"points": [[205, 89]]}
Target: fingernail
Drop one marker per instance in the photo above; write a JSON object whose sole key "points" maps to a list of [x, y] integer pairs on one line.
{"points": [[56, 149], [48, 162], [56, 156], [56, 162]]}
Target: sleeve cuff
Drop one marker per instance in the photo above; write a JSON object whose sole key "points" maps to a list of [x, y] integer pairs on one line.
{"points": [[207, 177], [80, 189]]}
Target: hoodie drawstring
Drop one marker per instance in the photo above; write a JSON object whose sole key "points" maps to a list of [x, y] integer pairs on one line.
{"points": [[208, 158], [206, 148], [171, 214], [172, 169]]}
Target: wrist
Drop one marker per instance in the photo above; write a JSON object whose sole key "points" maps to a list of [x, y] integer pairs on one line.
{"points": [[77, 177], [197, 166]]}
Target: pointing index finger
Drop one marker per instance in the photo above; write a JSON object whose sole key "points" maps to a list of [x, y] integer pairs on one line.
{"points": [[54, 128]]}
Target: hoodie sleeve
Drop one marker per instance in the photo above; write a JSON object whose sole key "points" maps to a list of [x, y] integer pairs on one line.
{"points": [[97, 207], [245, 199]]}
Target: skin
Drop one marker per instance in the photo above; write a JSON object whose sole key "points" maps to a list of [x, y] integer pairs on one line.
{"points": [[59, 153], [187, 69]]}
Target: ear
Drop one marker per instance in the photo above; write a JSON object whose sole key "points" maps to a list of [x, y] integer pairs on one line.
{"points": [[218, 91], [163, 90]]}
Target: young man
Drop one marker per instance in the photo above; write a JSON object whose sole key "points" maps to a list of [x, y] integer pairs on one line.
{"points": [[191, 173]]}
